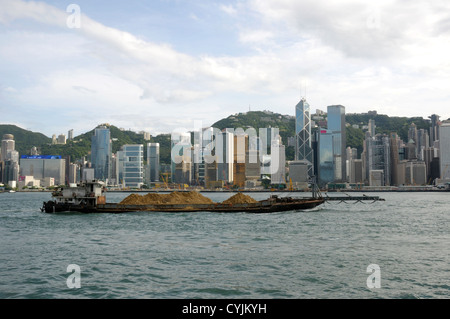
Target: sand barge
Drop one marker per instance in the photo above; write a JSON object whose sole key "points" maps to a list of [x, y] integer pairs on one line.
{"points": [[89, 197]]}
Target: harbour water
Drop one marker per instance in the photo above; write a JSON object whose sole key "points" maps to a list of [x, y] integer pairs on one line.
{"points": [[321, 253]]}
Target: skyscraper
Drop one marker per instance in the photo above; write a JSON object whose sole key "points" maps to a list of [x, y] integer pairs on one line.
{"points": [[8, 144], [278, 162], [303, 150], [434, 128], [336, 124], [101, 153], [372, 127], [9, 161], [378, 159], [394, 160], [444, 141], [70, 135], [325, 167], [224, 155], [153, 161], [131, 165]]}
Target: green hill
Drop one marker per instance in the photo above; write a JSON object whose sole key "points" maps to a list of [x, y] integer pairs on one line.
{"points": [[259, 119], [24, 139]]}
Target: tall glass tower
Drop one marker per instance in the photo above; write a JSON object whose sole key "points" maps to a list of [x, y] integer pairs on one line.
{"points": [[153, 161], [336, 124], [101, 153], [303, 149]]}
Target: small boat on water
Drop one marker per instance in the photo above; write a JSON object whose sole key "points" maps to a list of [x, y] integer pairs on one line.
{"points": [[89, 197]]}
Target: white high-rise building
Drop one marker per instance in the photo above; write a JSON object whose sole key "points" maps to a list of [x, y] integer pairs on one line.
{"points": [[131, 165], [278, 162]]}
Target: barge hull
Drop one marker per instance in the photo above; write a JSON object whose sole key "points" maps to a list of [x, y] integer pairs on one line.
{"points": [[260, 207]]}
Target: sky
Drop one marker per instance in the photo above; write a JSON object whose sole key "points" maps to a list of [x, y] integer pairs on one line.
{"points": [[165, 65]]}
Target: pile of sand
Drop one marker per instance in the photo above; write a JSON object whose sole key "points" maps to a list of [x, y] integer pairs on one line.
{"points": [[240, 198], [172, 198]]}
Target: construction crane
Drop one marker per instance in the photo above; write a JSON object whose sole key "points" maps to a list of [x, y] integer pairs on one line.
{"points": [[165, 178]]}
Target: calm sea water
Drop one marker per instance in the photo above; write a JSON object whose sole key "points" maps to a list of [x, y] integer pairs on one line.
{"points": [[321, 253]]}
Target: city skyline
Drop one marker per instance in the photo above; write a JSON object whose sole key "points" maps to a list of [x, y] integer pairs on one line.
{"points": [[136, 64]]}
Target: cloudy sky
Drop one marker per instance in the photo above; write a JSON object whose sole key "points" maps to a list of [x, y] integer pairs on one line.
{"points": [[157, 65]]}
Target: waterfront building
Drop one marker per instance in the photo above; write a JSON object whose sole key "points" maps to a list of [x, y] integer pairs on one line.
{"points": [[431, 158], [298, 174], [415, 173], [101, 153], [336, 124], [376, 177], [356, 173], [278, 162], [444, 148], [9, 161], [48, 182], [394, 157], [303, 150], [8, 145], [73, 173], [153, 161], [87, 174], [131, 165], [401, 170], [44, 166], [325, 157], [378, 158], [28, 181]]}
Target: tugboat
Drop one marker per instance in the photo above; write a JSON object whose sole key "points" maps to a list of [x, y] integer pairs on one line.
{"points": [[83, 197]]}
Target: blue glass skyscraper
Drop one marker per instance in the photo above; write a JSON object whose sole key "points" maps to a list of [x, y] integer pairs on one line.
{"points": [[336, 124], [101, 153], [325, 157]]}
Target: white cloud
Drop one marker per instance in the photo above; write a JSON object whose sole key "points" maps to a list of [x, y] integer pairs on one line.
{"points": [[389, 56]]}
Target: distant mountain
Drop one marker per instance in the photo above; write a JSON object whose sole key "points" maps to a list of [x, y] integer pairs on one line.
{"points": [[81, 145]]}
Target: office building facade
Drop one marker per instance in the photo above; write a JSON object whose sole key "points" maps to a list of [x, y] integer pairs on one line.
{"points": [[444, 148], [44, 166], [153, 161], [101, 153], [336, 124], [131, 165]]}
